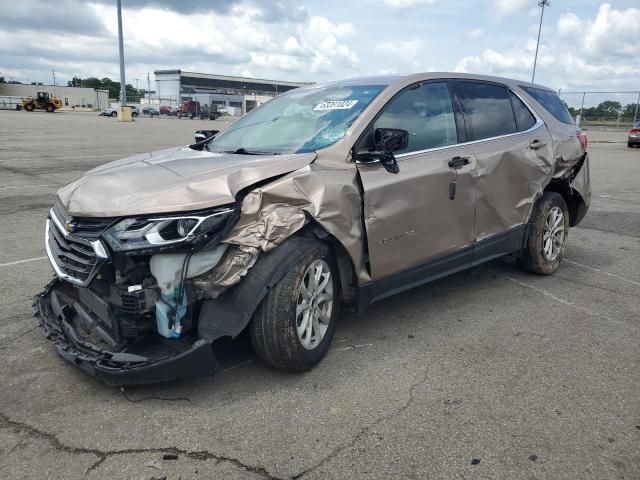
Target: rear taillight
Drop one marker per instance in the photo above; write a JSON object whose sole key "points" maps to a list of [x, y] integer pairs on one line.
{"points": [[582, 137], [635, 130]]}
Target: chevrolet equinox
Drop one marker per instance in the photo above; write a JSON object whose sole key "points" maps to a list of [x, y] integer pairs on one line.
{"points": [[334, 194]]}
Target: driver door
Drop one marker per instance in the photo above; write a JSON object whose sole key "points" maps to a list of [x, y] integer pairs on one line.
{"points": [[410, 217]]}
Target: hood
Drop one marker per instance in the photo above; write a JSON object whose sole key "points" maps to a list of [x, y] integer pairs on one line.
{"points": [[172, 180]]}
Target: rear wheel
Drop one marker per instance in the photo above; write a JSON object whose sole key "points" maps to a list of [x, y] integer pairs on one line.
{"points": [[293, 326], [114, 114], [548, 231]]}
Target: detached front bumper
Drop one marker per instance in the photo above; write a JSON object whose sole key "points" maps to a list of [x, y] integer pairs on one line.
{"points": [[58, 322]]}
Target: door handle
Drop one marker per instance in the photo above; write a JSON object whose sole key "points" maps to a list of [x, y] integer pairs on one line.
{"points": [[536, 144], [458, 162], [455, 163]]}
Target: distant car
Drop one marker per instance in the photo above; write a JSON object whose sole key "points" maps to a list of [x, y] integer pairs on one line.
{"points": [[113, 112], [150, 111], [109, 112], [634, 136], [166, 110]]}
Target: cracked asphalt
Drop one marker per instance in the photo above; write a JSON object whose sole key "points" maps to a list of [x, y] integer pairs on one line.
{"points": [[490, 373]]}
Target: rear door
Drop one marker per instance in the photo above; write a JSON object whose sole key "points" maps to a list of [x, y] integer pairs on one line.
{"points": [[409, 217], [513, 150]]}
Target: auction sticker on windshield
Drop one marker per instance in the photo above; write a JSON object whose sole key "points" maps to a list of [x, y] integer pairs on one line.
{"points": [[336, 105]]}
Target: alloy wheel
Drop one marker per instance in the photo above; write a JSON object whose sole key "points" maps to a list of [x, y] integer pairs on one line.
{"points": [[553, 237], [314, 304]]}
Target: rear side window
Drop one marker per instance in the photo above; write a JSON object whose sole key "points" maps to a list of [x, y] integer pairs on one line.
{"points": [[487, 109], [524, 118], [551, 101], [426, 112]]}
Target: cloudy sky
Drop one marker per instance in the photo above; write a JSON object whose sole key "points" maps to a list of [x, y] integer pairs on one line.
{"points": [[586, 44]]}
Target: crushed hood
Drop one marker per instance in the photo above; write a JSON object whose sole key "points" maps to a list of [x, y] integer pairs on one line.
{"points": [[172, 180]]}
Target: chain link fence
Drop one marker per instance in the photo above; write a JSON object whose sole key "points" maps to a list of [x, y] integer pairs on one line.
{"points": [[610, 111]]}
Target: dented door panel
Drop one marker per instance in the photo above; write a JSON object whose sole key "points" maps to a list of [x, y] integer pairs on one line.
{"points": [[512, 172], [410, 217]]}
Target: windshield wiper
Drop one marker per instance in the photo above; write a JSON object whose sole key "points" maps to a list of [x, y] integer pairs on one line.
{"points": [[244, 151]]}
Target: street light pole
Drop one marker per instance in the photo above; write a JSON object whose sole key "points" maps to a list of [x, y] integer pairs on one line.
{"points": [[541, 3], [123, 87]]}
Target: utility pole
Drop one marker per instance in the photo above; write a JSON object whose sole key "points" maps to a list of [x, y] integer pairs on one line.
{"points": [[123, 87], [541, 3], [149, 88], [635, 115], [53, 72]]}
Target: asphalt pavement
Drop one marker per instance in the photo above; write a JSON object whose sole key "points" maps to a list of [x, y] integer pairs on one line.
{"points": [[490, 373]]}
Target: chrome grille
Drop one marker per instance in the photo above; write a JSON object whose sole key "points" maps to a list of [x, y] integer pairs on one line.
{"points": [[75, 257]]}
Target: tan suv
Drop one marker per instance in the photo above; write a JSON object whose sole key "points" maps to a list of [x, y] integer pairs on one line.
{"points": [[333, 194]]}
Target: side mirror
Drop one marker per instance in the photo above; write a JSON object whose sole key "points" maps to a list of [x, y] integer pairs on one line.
{"points": [[202, 135], [387, 141], [391, 139]]}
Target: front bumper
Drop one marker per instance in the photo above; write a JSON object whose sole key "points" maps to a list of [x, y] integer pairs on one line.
{"points": [[117, 367]]}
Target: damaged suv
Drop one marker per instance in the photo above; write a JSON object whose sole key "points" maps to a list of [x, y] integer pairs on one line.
{"points": [[328, 195]]}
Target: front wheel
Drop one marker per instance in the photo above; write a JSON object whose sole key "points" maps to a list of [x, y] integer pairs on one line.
{"points": [[293, 326], [114, 114], [50, 108], [548, 231]]}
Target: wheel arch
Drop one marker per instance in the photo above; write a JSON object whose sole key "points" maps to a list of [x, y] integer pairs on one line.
{"points": [[346, 268], [575, 204]]}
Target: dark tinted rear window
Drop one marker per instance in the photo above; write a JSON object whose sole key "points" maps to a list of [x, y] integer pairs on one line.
{"points": [[551, 101], [524, 118], [487, 108]]}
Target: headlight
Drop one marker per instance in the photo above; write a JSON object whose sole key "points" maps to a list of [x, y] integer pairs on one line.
{"points": [[139, 233]]}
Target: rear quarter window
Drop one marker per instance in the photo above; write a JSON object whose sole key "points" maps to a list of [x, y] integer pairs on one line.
{"points": [[524, 118], [551, 102]]}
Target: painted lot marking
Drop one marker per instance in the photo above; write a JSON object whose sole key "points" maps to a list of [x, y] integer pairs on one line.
{"points": [[609, 274], [19, 262], [28, 186]]}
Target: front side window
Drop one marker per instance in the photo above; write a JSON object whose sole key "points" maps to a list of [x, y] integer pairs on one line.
{"points": [[487, 110], [552, 102], [304, 120], [426, 112]]}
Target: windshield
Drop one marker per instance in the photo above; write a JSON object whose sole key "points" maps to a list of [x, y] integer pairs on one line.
{"points": [[304, 120]]}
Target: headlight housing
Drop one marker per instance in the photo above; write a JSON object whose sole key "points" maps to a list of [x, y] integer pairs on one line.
{"points": [[152, 232]]}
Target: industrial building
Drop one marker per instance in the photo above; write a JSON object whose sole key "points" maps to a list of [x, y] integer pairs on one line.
{"points": [[239, 94], [71, 97]]}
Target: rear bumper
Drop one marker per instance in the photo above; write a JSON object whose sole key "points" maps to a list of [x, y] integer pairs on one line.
{"points": [[116, 367]]}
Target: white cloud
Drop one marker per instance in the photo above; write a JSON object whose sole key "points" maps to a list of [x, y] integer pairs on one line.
{"points": [[408, 3], [578, 53], [508, 7], [475, 33], [399, 56]]}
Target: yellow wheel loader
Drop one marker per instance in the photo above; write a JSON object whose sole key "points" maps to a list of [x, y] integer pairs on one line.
{"points": [[42, 101]]}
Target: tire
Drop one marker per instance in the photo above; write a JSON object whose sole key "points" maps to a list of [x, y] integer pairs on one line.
{"points": [[50, 108], [275, 324], [113, 114], [535, 257], [29, 107]]}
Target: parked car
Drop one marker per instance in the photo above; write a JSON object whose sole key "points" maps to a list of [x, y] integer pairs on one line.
{"points": [[166, 110], [150, 111], [332, 194], [113, 112], [634, 136], [108, 112]]}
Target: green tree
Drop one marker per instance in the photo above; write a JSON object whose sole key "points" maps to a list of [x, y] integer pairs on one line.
{"points": [[609, 108]]}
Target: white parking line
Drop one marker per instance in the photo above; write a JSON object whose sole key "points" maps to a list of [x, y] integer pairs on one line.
{"points": [[18, 262], [28, 186], [612, 275]]}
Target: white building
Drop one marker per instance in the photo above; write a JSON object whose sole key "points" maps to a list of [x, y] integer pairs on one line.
{"points": [[70, 96], [238, 94]]}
